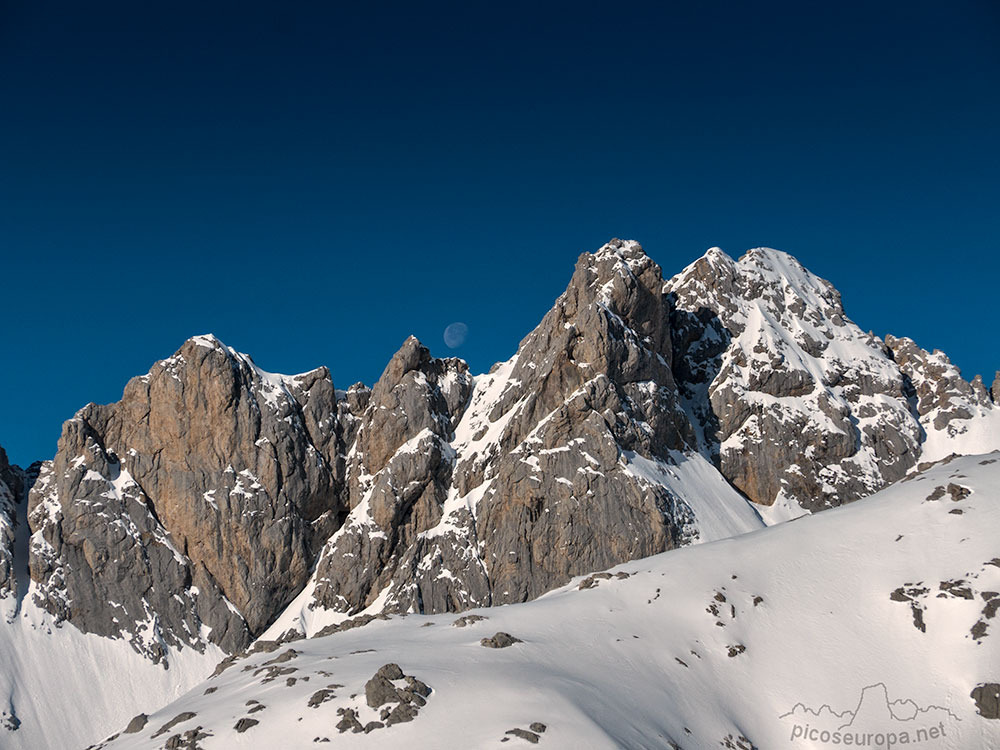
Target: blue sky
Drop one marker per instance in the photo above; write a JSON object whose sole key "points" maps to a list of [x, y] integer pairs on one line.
{"points": [[314, 184]]}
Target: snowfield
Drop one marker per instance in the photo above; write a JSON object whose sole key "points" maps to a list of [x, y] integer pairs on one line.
{"points": [[874, 621]]}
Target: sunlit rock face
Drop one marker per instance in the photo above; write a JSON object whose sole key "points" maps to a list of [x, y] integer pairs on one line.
{"points": [[794, 402], [192, 508]]}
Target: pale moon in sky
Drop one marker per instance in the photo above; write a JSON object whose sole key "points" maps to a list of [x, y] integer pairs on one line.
{"points": [[454, 335]]}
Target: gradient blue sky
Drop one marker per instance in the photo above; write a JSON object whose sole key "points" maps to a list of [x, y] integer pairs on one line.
{"points": [[314, 184]]}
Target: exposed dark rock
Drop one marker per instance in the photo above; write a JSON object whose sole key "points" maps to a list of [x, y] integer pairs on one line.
{"points": [[284, 657], [349, 721], [223, 481], [461, 622], [208, 493], [244, 724], [379, 691], [524, 734], [594, 375], [354, 622], [179, 719], [987, 699], [499, 640], [744, 358], [137, 724], [591, 581], [320, 697], [402, 713], [14, 484]]}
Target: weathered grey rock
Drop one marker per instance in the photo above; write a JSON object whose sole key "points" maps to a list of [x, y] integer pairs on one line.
{"points": [[944, 400], [379, 691], [11, 494], [244, 724], [349, 721], [987, 699], [201, 496], [320, 697], [789, 397], [208, 493], [499, 640], [400, 472], [137, 724], [390, 672], [179, 719], [461, 622], [531, 464], [417, 687], [402, 713]]}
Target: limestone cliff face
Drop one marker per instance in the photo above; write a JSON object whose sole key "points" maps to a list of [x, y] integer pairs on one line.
{"points": [[13, 485], [796, 404], [400, 473], [589, 388], [473, 493], [196, 501]]}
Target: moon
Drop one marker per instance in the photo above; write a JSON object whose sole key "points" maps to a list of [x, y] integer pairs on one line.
{"points": [[454, 335]]}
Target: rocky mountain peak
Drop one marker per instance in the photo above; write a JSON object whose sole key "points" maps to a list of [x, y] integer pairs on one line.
{"points": [[501, 484], [14, 483], [639, 415], [212, 482], [765, 357], [217, 503]]}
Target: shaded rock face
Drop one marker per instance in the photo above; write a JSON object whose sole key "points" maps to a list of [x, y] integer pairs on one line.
{"points": [[987, 699], [792, 400], [399, 476], [13, 485], [197, 500], [467, 496]]}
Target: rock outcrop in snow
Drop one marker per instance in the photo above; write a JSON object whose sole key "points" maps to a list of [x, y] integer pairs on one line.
{"points": [[14, 483]]}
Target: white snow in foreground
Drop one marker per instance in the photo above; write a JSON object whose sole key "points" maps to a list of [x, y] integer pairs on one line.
{"points": [[66, 687], [738, 637]]}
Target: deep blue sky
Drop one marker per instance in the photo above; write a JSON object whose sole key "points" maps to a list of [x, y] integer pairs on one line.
{"points": [[315, 184]]}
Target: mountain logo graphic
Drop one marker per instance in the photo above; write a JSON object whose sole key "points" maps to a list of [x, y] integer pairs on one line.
{"points": [[875, 722]]}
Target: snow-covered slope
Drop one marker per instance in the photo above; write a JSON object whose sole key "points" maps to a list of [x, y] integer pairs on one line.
{"points": [[62, 688], [871, 619]]}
